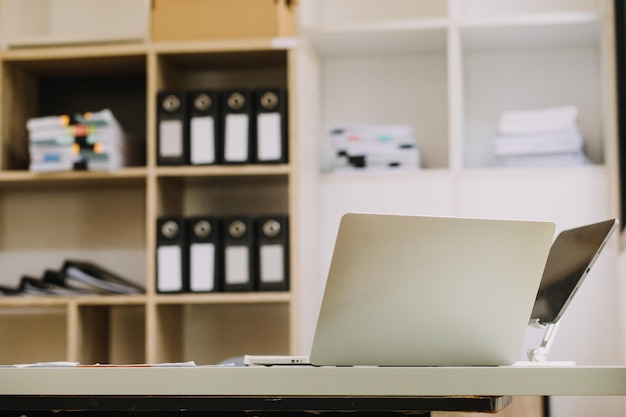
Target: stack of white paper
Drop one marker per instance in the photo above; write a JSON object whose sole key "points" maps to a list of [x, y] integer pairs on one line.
{"points": [[541, 137], [95, 142], [375, 147]]}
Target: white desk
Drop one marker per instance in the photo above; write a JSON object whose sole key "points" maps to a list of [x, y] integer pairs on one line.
{"points": [[297, 388]]}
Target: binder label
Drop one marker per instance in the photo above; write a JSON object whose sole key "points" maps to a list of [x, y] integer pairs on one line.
{"points": [[236, 137], [272, 261], [171, 138], [202, 266], [269, 137], [169, 267], [202, 140], [236, 264]]}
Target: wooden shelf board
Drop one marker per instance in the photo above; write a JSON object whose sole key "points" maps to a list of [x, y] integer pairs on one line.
{"points": [[225, 298], [17, 178], [110, 300], [227, 45], [62, 301], [223, 170], [32, 302]]}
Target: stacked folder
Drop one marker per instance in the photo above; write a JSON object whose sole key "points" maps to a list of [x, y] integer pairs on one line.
{"points": [[235, 126], [375, 147], [212, 254], [93, 141], [74, 278], [541, 137]]}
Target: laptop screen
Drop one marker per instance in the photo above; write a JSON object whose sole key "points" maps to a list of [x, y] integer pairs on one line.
{"points": [[571, 256]]}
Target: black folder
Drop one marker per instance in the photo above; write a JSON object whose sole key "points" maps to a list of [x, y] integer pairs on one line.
{"points": [[270, 106], [273, 253], [33, 286], [84, 277], [99, 277], [55, 286], [205, 254], [204, 127], [239, 254], [172, 128], [172, 255], [9, 291], [238, 126]]}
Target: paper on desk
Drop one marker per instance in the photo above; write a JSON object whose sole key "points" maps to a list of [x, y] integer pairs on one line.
{"points": [[57, 364], [65, 364]]}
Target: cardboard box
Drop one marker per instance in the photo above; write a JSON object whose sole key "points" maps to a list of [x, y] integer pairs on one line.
{"points": [[174, 20]]}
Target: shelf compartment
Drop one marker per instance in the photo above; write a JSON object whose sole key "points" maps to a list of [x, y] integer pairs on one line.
{"points": [[348, 27], [525, 79], [67, 84], [380, 39], [110, 334], [392, 89], [47, 22], [33, 333], [219, 70], [211, 333], [42, 226], [219, 196], [342, 13]]}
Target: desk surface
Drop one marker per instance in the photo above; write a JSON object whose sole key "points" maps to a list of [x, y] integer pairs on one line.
{"points": [[298, 381]]}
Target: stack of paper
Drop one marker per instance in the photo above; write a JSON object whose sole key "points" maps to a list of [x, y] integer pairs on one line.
{"points": [[96, 141], [375, 147], [541, 137]]}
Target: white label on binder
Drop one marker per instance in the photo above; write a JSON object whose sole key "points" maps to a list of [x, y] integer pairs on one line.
{"points": [[201, 266], [202, 140], [171, 138], [236, 138], [269, 137], [272, 261], [237, 268], [169, 271]]}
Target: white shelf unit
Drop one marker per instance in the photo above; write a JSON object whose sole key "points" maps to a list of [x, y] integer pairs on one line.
{"points": [[449, 69]]}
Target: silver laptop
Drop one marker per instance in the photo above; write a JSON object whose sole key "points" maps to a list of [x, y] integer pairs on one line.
{"points": [[427, 291]]}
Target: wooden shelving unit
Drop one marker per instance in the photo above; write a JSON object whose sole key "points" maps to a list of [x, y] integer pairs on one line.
{"points": [[110, 217]]}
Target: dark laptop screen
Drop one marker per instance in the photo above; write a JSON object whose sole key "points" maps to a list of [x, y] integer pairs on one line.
{"points": [[571, 256]]}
